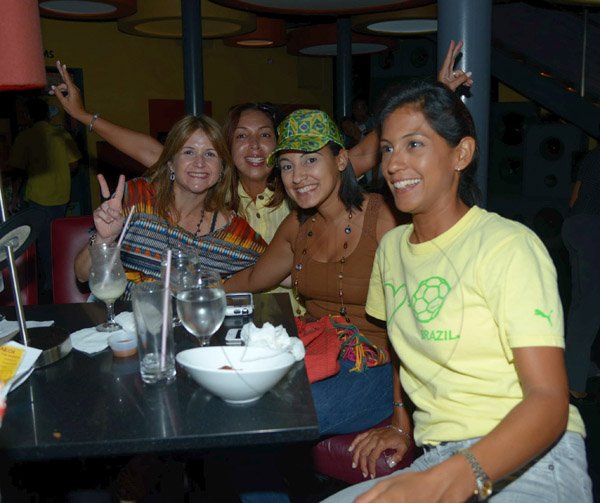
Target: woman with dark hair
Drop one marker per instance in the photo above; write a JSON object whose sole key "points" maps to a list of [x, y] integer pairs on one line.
{"points": [[180, 203], [257, 193], [328, 244], [473, 312]]}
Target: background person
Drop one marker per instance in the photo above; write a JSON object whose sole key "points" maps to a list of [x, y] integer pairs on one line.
{"points": [[473, 312], [581, 235], [47, 155]]}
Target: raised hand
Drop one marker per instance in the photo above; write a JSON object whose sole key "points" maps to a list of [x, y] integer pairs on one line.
{"points": [[108, 217], [448, 75], [369, 445], [68, 95]]}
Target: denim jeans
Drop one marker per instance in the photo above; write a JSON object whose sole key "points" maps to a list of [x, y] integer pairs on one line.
{"points": [[558, 476], [353, 401]]}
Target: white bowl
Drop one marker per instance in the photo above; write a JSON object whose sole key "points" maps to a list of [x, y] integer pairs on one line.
{"points": [[237, 374]]}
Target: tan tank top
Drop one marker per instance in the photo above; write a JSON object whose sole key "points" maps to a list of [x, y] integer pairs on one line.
{"points": [[318, 282]]}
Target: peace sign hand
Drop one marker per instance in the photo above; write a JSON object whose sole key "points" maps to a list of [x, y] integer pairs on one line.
{"points": [[108, 217], [69, 96]]}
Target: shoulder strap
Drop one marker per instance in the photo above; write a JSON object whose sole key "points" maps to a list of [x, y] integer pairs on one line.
{"points": [[371, 214]]}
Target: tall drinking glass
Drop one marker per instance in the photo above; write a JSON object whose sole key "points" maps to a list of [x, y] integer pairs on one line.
{"points": [[182, 263], [201, 303], [107, 280]]}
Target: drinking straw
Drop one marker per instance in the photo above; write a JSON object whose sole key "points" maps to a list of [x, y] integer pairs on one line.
{"points": [[127, 220], [166, 300]]}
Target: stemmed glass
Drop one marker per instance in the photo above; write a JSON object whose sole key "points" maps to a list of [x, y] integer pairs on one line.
{"points": [[182, 263], [201, 303], [107, 280]]}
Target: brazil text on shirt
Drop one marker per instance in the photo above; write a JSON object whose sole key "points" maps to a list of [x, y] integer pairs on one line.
{"points": [[438, 335]]}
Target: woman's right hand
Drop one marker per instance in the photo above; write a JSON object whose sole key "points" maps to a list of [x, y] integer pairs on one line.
{"points": [[108, 217], [369, 445], [71, 99]]}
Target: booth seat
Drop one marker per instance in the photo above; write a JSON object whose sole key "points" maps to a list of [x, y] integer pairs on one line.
{"points": [[331, 458], [68, 236]]}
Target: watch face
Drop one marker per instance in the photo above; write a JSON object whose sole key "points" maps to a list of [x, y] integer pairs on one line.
{"points": [[486, 490]]}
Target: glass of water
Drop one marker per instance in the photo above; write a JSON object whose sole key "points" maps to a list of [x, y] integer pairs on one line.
{"points": [[201, 303], [107, 280], [183, 262]]}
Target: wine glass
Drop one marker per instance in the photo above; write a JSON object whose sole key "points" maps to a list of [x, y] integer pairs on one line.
{"points": [[201, 303], [182, 263], [107, 280]]}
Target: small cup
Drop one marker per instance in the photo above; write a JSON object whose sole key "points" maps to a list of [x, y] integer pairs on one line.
{"points": [[123, 344], [149, 305]]}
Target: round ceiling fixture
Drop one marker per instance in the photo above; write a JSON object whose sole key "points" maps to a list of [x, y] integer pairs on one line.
{"points": [[321, 7], [162, 19], [87, 10], [269, 32], [415, 21], [321, 40]]}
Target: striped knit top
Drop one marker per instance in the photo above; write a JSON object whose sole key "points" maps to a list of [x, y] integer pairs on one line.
{"points": [[226, 250]]}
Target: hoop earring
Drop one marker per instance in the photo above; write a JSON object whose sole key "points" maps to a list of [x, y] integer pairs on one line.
{"points": [[172, 175]]}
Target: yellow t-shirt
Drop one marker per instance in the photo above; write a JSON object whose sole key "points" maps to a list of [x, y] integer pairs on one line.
{"points": [[455, 307], [45, 153]]}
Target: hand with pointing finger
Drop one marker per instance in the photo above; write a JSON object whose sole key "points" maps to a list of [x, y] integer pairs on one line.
{"points": [[69, 96], [448, 75]]}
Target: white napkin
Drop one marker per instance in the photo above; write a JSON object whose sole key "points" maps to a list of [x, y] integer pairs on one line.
{"points": [[24, 370], [6, 327], [272, 337], [89, 340]]}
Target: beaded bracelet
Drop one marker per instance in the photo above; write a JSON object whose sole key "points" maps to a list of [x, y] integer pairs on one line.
{"points": [[398, 404], [401, 431]]}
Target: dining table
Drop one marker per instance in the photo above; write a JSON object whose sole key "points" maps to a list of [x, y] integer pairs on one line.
{"points": [[96, 405]]}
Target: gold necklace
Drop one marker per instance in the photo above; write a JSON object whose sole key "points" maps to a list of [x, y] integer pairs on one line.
{"points": [[298, 267]]}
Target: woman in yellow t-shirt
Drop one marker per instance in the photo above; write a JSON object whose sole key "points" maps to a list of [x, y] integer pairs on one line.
{"points": [[472, 310]]}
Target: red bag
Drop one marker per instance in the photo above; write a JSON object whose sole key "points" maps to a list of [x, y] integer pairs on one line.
{"points": [[322, 345]]}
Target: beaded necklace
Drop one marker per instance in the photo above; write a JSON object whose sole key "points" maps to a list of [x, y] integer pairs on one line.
{"points": [[196, 233], [298, 267]]}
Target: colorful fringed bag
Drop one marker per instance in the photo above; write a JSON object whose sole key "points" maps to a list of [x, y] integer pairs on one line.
{"points": [[331, 338]]}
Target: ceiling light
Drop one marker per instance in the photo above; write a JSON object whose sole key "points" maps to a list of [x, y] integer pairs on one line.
{"points": [[415, 21], [162, 19], [321, 40], [269, 33], [87, 10], [22, 54], [320, 7]]}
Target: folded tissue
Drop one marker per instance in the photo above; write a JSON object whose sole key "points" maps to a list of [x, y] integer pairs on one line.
{"points": [[269, 336], [89, 340]]}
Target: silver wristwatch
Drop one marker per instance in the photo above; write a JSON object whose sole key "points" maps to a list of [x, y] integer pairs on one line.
{"points": [[484, 484]]}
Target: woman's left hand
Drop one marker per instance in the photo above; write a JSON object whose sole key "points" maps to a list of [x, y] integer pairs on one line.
{"points": [[370, 445], [448, 75]]}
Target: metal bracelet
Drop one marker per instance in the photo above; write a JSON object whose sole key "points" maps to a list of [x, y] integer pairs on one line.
{"points": [[398, 404], [401, 431], [91, 125]]}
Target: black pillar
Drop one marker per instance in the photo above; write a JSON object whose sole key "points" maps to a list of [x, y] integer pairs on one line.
{"points": [[193, 73], [471, 22], [343, 64]]}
